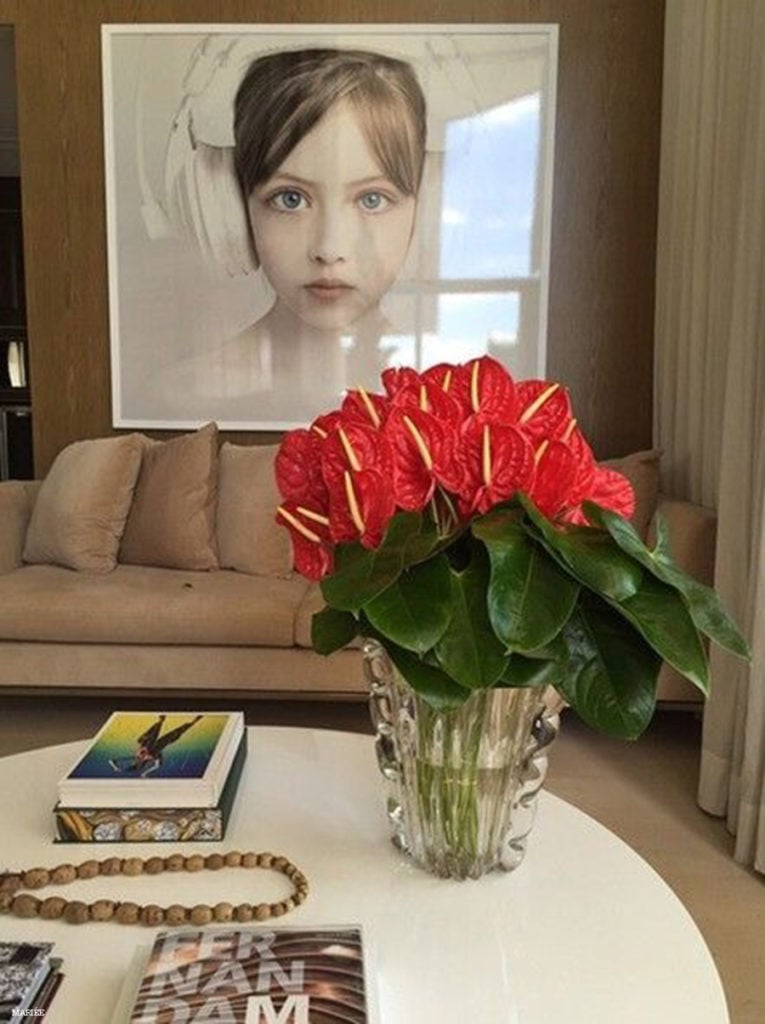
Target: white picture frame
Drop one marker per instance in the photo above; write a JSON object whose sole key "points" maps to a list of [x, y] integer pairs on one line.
{"points": [[187, 333]]}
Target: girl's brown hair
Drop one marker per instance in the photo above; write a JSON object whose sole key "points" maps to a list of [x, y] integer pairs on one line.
{"points": [[283, 96]]}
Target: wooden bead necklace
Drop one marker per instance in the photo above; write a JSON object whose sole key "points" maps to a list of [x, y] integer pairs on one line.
{"points": [[24, 904]]}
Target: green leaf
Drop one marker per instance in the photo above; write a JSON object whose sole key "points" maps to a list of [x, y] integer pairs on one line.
{"points": [[590, 555], [708, 614], [469, 650], [660, 614], [426, 541], [529, 597], [415, 610], [432, 684], [361, 574], [525, 672], [332, 629], [611, 678]]}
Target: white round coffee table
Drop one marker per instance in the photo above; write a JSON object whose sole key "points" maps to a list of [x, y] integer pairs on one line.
{"points": [[584, 932]]}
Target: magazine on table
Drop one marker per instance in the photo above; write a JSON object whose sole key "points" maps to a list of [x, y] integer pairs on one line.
{"points": [[309, 975], [155, 759], [29, 977]]}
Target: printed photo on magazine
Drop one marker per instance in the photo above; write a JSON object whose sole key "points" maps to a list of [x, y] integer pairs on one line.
{"points": [[254, 976]]}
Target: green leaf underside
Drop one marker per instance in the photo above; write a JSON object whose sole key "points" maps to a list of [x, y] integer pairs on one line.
{"points": [[611, 678], [361, 574], [591, 555], [431, 683], [469, 650], [705, 608], [415, 610], [332, 629], [529, 597]]}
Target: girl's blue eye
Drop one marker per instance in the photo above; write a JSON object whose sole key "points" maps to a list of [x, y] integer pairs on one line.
{"points": [[374, 202], [288, 200]]}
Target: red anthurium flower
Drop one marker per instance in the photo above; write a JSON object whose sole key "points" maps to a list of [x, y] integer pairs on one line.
{"points": [[325, 424], [609, 489], [353, 445], [554, 479], [442, 375], [398, 377], [360, 506], [424, 454], [367, 407], [484, 386], [499, 460], [585, 463], [544, 409], [428, 396], [311, 542], [298, 468]]}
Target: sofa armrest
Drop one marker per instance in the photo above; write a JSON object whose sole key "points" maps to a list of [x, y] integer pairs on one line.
{"points": [[17, 498], [692, 532]]}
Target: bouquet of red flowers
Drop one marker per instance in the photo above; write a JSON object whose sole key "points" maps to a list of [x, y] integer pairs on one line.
{"points": [[461, 519]]}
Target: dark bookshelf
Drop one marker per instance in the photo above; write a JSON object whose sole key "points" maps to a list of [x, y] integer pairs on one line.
{"points": [[16, 459]]}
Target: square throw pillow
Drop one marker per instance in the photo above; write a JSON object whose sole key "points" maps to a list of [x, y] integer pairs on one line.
{"points": [[248, 538], [172, 519], [642, 471], [82, 505]]}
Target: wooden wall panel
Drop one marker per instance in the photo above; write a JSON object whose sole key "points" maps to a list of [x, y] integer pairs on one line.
{"points": [[604, 214]]}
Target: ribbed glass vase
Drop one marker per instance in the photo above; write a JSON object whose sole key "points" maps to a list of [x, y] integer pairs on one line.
{"points": [[461, 785]]}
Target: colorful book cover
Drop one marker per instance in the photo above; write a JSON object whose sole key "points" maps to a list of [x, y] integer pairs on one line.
{"points": [[146, 757], [152, 824], [255, 976]]}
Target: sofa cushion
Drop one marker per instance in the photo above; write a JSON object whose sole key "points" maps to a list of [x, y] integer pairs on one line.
{"points": [[82, 504], [248, 538], [142, 605], [642, 471], [172, 519]]}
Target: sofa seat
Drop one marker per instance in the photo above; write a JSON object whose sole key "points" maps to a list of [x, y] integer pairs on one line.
{"points": [[142, 605]]}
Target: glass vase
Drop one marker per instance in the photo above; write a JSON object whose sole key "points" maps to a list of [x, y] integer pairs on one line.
{"points": [[461, 785]]}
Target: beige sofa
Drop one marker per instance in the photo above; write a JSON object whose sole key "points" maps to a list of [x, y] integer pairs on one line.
{"points": [[142, 628]]}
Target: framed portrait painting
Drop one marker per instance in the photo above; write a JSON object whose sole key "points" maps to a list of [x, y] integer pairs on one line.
{"points": [[293, 209]]}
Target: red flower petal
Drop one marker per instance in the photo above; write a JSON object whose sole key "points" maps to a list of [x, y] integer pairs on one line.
{"points": [[367, 407], [585, 464], [427, 396], [612, 490], [424, 453], [554, 479], [298, 467], [544, 409], [353, 445], [325, 424], [396, 378], [360, 507], [309, 532], [499, 460], [442, 375], [484, 386]]}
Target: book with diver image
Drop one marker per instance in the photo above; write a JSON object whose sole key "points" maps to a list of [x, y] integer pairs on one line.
{"points": [[308, 975], [155, 759]]}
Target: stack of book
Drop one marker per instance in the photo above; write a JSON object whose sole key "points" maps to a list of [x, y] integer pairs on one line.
{"points": [[154, 777], [29, 978], [249, 976]]}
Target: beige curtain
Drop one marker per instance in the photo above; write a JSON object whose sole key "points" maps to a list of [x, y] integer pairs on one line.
{"points": [[710, 359]]}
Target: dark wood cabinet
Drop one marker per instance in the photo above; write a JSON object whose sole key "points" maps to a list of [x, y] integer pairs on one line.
{"points": [[15, 409]]}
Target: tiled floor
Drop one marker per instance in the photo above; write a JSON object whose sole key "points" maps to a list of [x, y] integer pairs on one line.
{"points": [[644, 792]]}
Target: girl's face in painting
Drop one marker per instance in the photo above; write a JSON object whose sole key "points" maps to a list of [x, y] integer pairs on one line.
{"points": [[331, 229]]}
